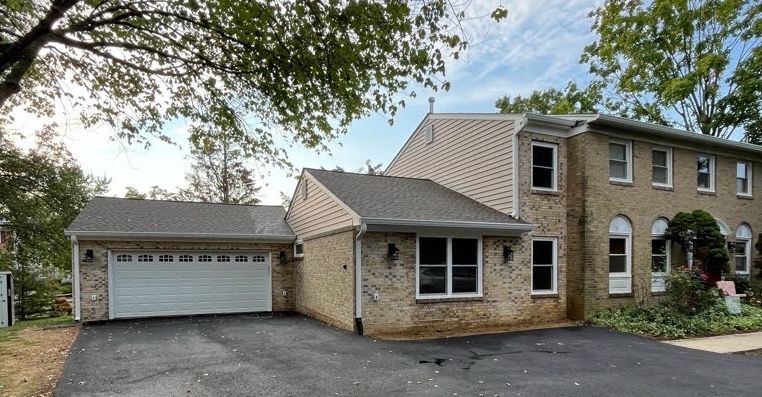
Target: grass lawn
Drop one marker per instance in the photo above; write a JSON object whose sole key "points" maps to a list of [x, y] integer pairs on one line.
{"points": [[33, 357]]}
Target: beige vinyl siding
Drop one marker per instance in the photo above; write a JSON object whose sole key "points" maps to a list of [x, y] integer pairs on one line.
{"points": [[470, 156], [319, 213]]}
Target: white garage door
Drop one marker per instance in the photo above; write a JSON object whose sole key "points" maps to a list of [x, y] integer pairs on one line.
{"points": [[147, 284]]}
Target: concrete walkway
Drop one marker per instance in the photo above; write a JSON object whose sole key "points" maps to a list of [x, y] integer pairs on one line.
{"points": [[723, 344]]}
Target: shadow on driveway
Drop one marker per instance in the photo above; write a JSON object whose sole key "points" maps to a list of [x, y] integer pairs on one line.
{"points": [[292, 355]]}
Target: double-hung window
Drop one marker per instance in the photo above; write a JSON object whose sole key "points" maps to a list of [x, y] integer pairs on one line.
{"points": [[705, 170], [660, 255], [743, 178], [620, 264], [544, 266], [742, 249], [661, 167], [449, 267], [544, 166], [620, 161]]}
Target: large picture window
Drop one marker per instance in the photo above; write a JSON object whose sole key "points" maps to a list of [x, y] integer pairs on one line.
{"points": [[449, 266], [544, 266], [544, 165]]}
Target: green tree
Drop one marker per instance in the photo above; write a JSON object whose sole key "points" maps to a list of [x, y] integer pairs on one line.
{"points": [[43, 191], [219, 174], [691, 64], [257, 69], [131, 192], [699, 236], [571, 99]]}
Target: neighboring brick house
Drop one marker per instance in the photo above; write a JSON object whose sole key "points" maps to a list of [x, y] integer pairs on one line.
{"points": [[481, 220], [602, 187]]}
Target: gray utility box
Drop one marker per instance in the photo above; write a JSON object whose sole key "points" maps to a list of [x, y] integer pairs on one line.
{"points": [[6, 299]]}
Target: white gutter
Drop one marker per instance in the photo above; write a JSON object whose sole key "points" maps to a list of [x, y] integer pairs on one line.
{"points": [[628, 124], [358, 271], [75, 277], [453, 224], [274, 237]]}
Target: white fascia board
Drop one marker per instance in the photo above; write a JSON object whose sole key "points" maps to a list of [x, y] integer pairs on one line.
{"points": [[674, 134], [523, 227], [89, 235]]}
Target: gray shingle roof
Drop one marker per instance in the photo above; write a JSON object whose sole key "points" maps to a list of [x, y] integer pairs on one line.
{"points": [[120, 215], [374, 196]]}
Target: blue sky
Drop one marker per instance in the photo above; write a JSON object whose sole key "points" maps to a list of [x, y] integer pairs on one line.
{"points": [[536, 47]]}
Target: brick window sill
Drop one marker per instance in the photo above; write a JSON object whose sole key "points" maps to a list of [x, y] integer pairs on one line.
{"points": [[706, 193], [545, 296], [545, 192], [627, 295], [618, 183], [449, 300], [658, 293], [745, 197], [665, 188]]}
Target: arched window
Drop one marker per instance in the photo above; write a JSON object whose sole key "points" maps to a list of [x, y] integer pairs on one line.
{"points": [[724, 229], [742, 249], [620, 252], [660, 254]]}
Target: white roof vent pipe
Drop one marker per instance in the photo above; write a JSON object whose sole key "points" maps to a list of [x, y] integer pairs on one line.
{"points": [[431, 104]]}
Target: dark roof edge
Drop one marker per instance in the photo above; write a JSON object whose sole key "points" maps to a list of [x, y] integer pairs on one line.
{"points": [[225, 236], [518, 225]]}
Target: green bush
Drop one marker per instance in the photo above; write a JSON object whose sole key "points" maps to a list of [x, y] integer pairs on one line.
{"points": [[65, 288], [662, 322], [688, 291]]}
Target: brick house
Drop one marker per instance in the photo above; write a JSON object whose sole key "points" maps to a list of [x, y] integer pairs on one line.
{"points": [[481, 220]]}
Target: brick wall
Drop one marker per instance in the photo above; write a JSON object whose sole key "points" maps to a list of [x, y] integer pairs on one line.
{"points": [[324, 279], [94, 275], [642, 204], [506, 296]]}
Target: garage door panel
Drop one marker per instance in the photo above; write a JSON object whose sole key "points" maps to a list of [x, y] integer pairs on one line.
{"points": [[144, 289]]}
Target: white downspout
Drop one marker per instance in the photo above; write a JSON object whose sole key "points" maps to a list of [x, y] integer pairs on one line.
{"points": [[358, 275], [519, 125], [75, 276]]}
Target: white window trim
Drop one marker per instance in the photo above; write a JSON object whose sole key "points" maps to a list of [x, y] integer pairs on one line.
{"points": [[668, 150], [711, 173], [299, 242], [449, 294], [749, 178], [628, 158], [657, 278], [555, 165], [555, 267], [627, 252], [747, 254]]}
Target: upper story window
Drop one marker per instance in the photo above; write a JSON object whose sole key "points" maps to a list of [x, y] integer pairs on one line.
{"points": [[620, 161], [661, 166], [743, 178], [544, 166], [705, 169]]}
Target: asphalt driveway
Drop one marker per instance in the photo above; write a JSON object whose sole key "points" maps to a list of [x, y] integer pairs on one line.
{"points": [[291, 355]]}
